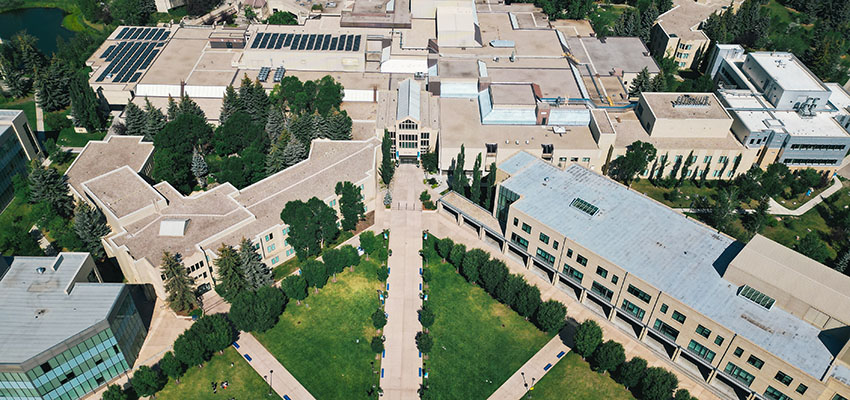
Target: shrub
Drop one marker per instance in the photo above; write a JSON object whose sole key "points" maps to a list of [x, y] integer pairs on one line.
{"points": [[383, 273], [424, 196], [377, 344], [424, 342], [379, 319], [426, 275], [588, 336]]}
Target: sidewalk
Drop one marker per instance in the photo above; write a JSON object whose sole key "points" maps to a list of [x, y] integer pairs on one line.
{"points": [[283, 383], [533, 370]]}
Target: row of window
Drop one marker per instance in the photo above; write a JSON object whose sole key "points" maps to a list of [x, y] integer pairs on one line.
{"points": [[811, 161], [835, 147]]}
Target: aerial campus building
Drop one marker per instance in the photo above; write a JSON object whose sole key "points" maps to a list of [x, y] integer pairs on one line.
{"points": [[754, 320], [65, 333], [18, 146], [147, 220]]}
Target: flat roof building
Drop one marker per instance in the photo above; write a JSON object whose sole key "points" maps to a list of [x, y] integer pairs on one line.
{"points": [[18, 146], [65, 332], [733, 321]]}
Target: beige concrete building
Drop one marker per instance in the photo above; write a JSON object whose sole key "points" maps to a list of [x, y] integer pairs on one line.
{"points": [[677, 32], [147, 220], [18, 146], [411, 115], [754, 320]]}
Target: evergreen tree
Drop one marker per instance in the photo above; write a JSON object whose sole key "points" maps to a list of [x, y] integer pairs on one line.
{"points": [[48, 186], [647, 20], [475, 188], [173, 110], [350, 204], [154, 121], [178, 283], [387, 168], [458, 181], [318, 127], [276, 160], [199, 168], [628, 24], [339, 126], [275, 124], [18, 85], [490, 193], [229, 105], [85, 106], [842, 262], [256, 273], [294, 153], [188, 106], [659, 82], [90, 225], [134, 119], [230, 279], [53, 86], [640, 83]]}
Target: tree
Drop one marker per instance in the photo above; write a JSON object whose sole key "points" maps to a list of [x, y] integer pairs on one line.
{"points": [[175, 146], [444, 247], [335, 261], [424, 342], [295, 287], [630, 373], [628, 24], [189, 348], [276, 124], [551, 316], [683, 394], [178, 284], [377, 344], [132, 12], [315, 273], [47, 185], [813, 247], [475, 187], [171, 366], [426, 316], [200, 7], [147, 381], [339, 125], [85, 106], [507, 291], [383, 273], [256, 273], [189, 107], [15, 239], [199, 168], [237, 134], [257, 311], [134, 120], [825, 56], [154, 121], [276, 159], [229, 105], [842, 262], [492, 273], [490, 193], [527, 301], [53, 86], [216, 331], [114, 392], [379, 319], [657, 384], [754, 222], [457, 181], [282, 18], [430, 161], [588, 336], [387, 168], [90, 225], [350, 204], [607, 357], [472, 262], [369, 242], [294, 152], [350, 255], [637, 158], [457, 254], [172, 110], [311, 225], [231, 280]]}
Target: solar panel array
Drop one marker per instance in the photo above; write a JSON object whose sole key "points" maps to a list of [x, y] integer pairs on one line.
{"points": [[314, 42], [135, 52], [264, 74], [278, 74]]}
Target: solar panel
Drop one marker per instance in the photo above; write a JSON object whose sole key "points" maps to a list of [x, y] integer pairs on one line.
{"points": [[279, 41], [157, 34], [278, 74], [333, 43], [122, 33], [136, 33], [326, 42], [311, 43], [160, 44], [127, 61], [264, 74], [341, 44], [136, 77], [265, 41], [295, 42], [150, 58], [150, 34], [108, 50], [257, 40], [288, 40], [165, 36], [319, 40], [348, 42], [303, 42], [142, 33], [357, 42], [129, 33]]}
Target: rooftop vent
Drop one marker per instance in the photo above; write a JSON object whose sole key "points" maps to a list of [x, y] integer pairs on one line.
{"points": [[584, 206], [756, 297], [173, 227], [40, 270]]}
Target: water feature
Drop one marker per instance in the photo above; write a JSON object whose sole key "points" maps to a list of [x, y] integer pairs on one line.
{"points": [[43, 23]]}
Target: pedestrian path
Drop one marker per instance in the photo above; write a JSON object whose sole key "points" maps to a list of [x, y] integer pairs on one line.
{"points": [[283, 383], [532, 371]]}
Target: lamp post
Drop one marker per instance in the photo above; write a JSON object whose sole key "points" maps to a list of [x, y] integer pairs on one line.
{"points": [[271, 379], [524, 383]]}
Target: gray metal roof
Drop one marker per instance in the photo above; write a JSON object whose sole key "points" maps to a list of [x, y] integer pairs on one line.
{"points": [[676, 255], [36, 312], [408, 100]]}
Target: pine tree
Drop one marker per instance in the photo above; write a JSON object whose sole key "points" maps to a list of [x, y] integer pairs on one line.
{"points": [[47, 185], [230, 279], [339, 126], [255, 272], [475, 188], [459, 181], [293, 153], [387, 168], [154, 121], [173, 110], [658, 82], [90, 226], [188, 106], [85, 106], [258, 104], [275, 124], [318, 127], [647, 20], [276, 159], [53, 86], [628, 24], [178, 283], [640, 83], [134, 119], [229, 105], [491, 188], [842, 262], [199, 167]]}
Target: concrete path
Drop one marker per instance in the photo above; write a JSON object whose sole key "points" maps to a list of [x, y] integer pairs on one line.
{"points": [[39, 118], [283, 383], [533, 370], [778, 209], [402, 364]]}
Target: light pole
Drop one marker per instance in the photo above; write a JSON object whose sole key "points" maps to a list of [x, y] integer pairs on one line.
{"points": [[271, 379], [524, 383]]}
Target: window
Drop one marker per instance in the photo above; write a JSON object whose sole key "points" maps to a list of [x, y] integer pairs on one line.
{"points": [[706, 160], [722, 159], [755, 361], [666, 330], [774, 394], [718, 340], [270, 248], [519, 240], [581, 260], [573, 159], [739, 374], [601, 272], [838, 397], [572, 273], [738, 351], [664, 309], [585, 159], [275, 260], [783, 378], [526, 228], [569, 253], [632, 309], [801, 388], [270, 236], [678, 317], [407, 125], [492, 147], [701, 351], [703, 331], [544, 238], [757, 297], [516, 221], [548, 258], [602, 290], [615, 279], [584, 206], [643, 296], [555, 245], [716, 173]]}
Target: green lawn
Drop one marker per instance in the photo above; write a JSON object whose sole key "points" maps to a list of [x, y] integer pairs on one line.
{"points": [[243, 381], [476, 339], [68, 137], [27, 104], [325, 341], [800, 199], [608, 14], [571, 378], [688, 190], [175, 14]]}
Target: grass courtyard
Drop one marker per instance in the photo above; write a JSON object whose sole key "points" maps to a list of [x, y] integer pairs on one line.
{"points": [[476, 339], [573, 375], [318, 340], [244, 382]]}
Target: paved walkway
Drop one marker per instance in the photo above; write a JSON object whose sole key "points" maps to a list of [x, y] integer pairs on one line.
{"points": [[283, 383], [778, 209], [402, 364], [533, 370]]}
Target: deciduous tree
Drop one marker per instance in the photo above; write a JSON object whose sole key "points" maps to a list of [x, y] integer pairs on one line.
{"points": [[315, 273], [171, 366], [472, 262], [147, 381], [551, 316], [527, 301], [587, 338], [630, 373], [607, 357], [295, 287], [258, 311], [657, 384], [311, 225], [350, 204]]}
